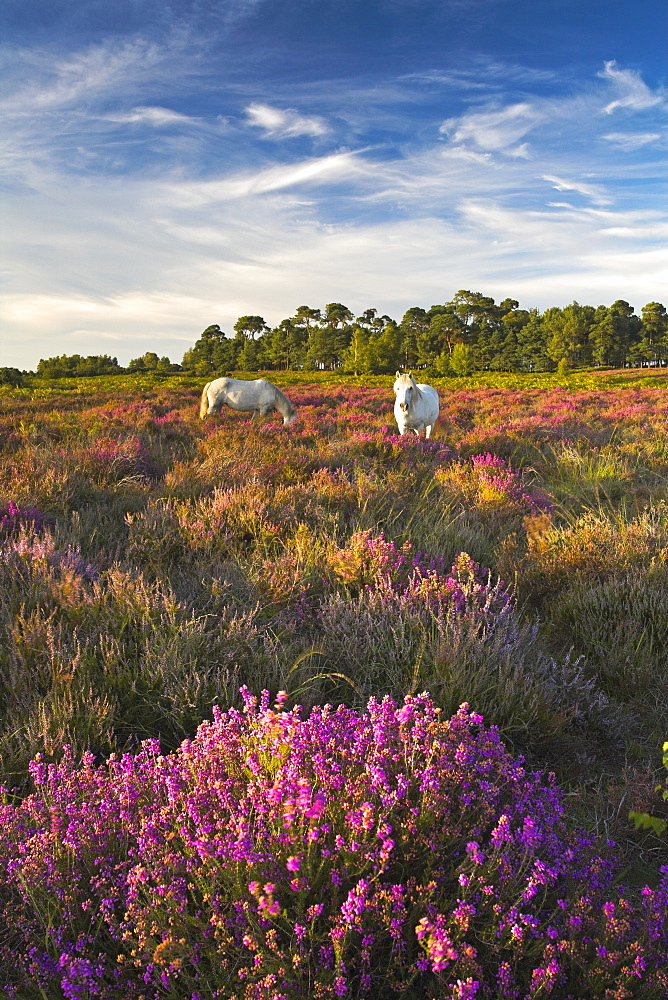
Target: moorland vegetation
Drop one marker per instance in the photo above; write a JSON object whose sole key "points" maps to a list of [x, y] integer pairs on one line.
{"points": [[474, 627]]}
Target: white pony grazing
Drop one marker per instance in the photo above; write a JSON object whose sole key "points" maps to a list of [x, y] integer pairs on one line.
{"points": [[416, 405], [259, 395]]}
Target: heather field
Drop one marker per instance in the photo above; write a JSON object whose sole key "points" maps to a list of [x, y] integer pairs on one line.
{"points": [[327, 712]]}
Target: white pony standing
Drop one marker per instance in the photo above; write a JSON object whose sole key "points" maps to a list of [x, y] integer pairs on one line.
{"points": [[416, 405], [258, 395]]}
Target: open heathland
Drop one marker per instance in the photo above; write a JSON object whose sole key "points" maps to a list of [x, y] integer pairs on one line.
{"points": [[462, 644]]}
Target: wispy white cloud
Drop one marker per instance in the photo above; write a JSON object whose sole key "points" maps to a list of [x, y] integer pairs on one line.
{"points": [[633, 140], [319, 170], [521, 152], [499, 127], [495, 129], [588, 190], [280, 123], [156, 116], [464, 154], [633, 91], [42, 81], [479, 73]]}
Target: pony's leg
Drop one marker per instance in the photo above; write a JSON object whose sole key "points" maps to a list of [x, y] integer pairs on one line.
{"points": [[416, 431], [427, 430]]}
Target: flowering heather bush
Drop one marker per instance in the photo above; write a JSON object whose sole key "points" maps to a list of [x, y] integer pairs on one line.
{"points": [[115, 458], [9, 440], [455, 636], [420, 578], [144, 415], [490, 485], [387, 444], [14, 517], [346, 854], [366, 560], [26, 554]]}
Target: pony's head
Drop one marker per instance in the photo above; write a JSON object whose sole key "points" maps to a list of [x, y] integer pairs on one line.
{"points": [[404, 388], [284, 406]]}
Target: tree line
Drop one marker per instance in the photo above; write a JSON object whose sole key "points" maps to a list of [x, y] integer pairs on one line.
{"points": [[470, 333]]}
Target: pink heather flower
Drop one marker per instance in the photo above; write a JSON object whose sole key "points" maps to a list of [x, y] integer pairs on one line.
{"points": [[466, 990], [280, 701], [530, 835], [474, 852], [405, 714], [14, 517], [502, 832], [268, 906], [437, 942], [463, 913], [386, 849], [317, 807], [293, 864], [488, 461]]}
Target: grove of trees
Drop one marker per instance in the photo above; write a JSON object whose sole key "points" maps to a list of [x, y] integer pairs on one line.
{"points": [[74, 365], [12, 377], [469, 333]]}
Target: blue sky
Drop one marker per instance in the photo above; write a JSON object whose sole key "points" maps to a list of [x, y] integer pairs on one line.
{"points": [[167, 164]]}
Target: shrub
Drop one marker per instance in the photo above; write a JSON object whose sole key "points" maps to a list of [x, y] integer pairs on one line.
{"points": [[620, 625], [596, 546], [14, 517], [491, 487], [110, 459], [421, 579], [346, 854]]}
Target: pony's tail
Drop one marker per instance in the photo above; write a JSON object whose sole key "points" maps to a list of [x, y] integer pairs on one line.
{"points": [[204, 402]]}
